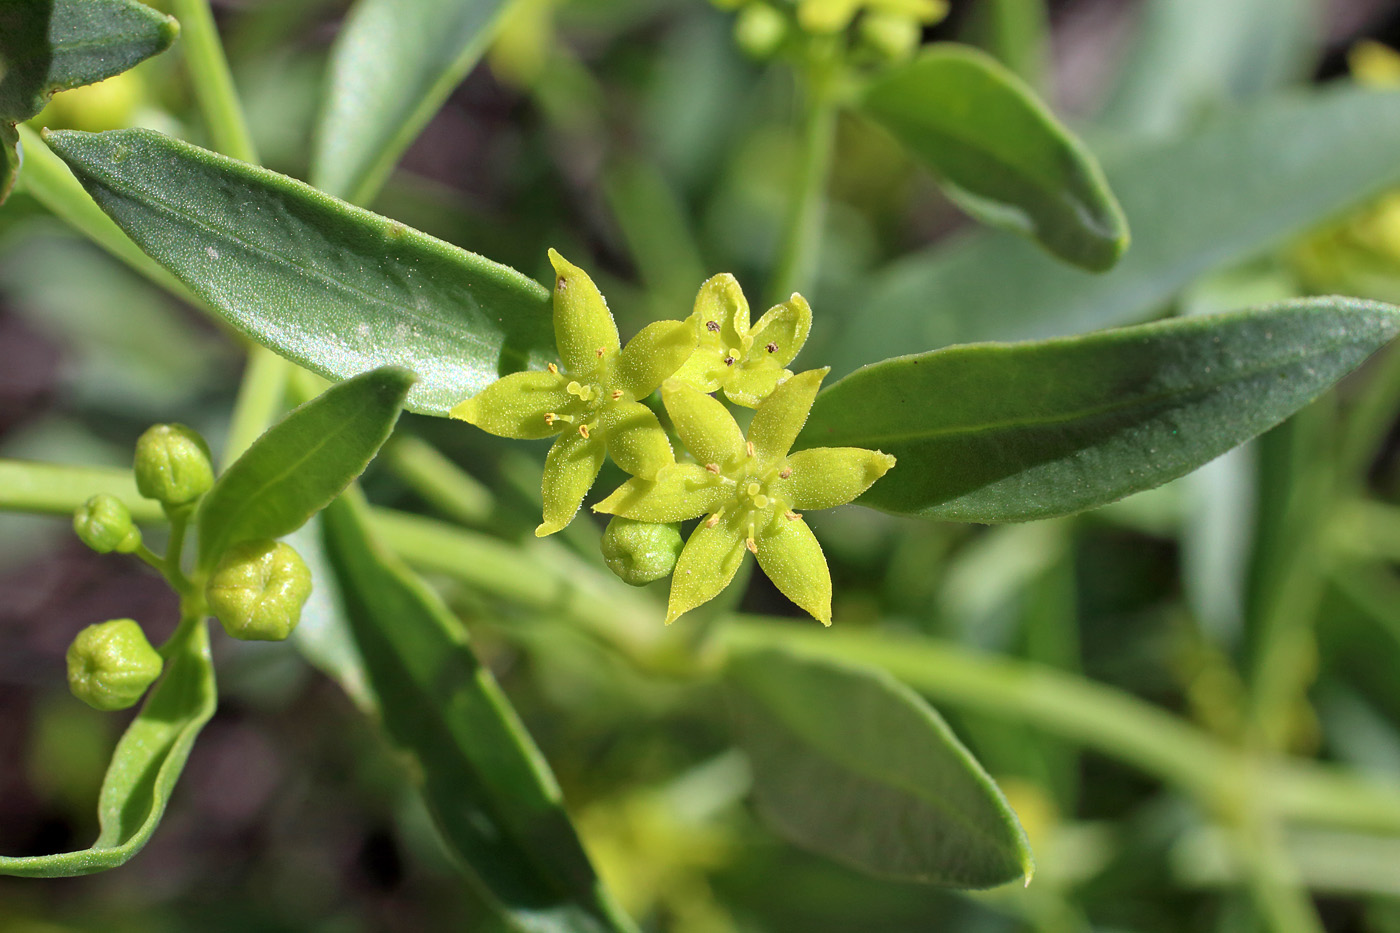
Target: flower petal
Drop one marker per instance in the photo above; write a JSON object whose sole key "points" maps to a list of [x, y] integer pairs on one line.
{"points": [[750, 386], [584, 329], [781, 415], [515, 405], [706, 427], [707, 563], [653, 356], [721, 301], [703, 370], [569, 471], [784, 329], [635, 439], [680, 491], [825, 477], [789, 554]]}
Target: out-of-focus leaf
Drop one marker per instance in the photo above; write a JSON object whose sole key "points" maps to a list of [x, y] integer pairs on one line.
{"points": [[1000, 153], [301, 463], [332, 287], [997, 433], [1015, 33], [53, 45], [490, 791], [392, 66], [1191, 56], [1215, 196], [145, 766], [850, 763]]}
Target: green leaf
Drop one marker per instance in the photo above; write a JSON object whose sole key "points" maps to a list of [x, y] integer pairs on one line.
{"points": [[332, 287], [490, 791], [1014, 32], [851, 763], [1215, 196], [1000, 153], [392, 66], [53, 45], [145, 766], [1012, 432], [301, 463]]}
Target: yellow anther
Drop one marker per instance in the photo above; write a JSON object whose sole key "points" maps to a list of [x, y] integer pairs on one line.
{"points": [[552, 368], [792, 516], [617, 394], [600, 351], [713, 468], [748, 445], [787, 471], [749, 543], [550, 417], [713, 520], [583, 429]]}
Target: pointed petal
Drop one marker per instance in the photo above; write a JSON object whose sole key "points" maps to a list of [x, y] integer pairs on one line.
{"points": [[515, 406], [635, 439], [569, 471], [749, 387], [721, 301], [702, 370], [681, 491], [781, 415], [825, 477], [784, 329], [706, 427], [707, 563], [789, 554], [583, 325], [653, 356]]}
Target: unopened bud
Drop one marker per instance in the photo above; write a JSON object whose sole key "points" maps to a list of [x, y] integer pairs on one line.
{"points": [[104, 524], [640, 552], [890, 37], [111, 664], [172, 465], [760, 30], [258, 589]]}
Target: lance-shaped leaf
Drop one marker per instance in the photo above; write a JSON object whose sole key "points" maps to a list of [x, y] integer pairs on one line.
{"points": [[145, 766], [53, 45], [301, 463], [332, 287], [850, 763], [392, 66], [1000, 153], [1011, 432], [1221, 193], [490, 791]]}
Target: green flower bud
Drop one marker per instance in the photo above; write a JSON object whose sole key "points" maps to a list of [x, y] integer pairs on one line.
{"points": [[111, 664], [172, 465], [104, 524], [640, 552], [890, 37], [258, 589], [760, 30]]}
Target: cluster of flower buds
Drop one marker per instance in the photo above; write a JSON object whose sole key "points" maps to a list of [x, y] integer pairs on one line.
{"points": [[879, 31], [746, 489]]}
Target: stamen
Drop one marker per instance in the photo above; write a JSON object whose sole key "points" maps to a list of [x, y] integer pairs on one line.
{"points": [[617, 394], [553, 369], [583, 429], [713, 468], [729, 361], [713, 520], [550, 417], [561, 283], [712, 326], [787, 471], [792, 516], [772, 348], [600, 351], [749, 446], [750, 544]]}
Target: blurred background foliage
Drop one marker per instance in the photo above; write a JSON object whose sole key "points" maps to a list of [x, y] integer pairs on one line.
{"points": [[638, 134]]}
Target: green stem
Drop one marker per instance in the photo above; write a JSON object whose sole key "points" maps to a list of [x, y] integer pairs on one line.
{"points": [[448, 487], [800, 247], [1370, 420], [1273, 880], [213, 83], [260, 398], [58, 489]]}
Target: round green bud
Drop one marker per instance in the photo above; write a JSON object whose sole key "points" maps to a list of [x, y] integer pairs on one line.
{"points": [[889, 37], [111, 664], [640, 552], [258, 589], [172, 465], [104, 524], [760, 30]]}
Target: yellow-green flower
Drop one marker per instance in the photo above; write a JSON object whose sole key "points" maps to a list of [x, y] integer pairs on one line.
{"points": [[828, 16], [750, 489], [747, 362], [590, 400]]}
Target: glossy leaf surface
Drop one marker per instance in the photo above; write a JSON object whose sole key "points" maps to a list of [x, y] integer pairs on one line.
{"points": [[145, 766], [332, 287], [53, 45], [392, 66], [1000, 153], [997, 433], [1217, 195], [491, 793], [301, 463], [850, 763]]}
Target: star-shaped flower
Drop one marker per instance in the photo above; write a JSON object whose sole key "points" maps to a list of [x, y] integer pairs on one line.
{"points": [[748, 363], [590, 400], [750, 489]]}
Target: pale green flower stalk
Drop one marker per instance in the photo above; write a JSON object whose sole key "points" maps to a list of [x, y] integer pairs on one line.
{"points": [[750, 488], [590, 401]]}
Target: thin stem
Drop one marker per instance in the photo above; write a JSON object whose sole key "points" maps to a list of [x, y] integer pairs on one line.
{"points": [[213, 84], [58, 489], [449, 488], [174, 551], [1370, 420], [150, 557], [260, 398], [1273, 880], [800, 247]]}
